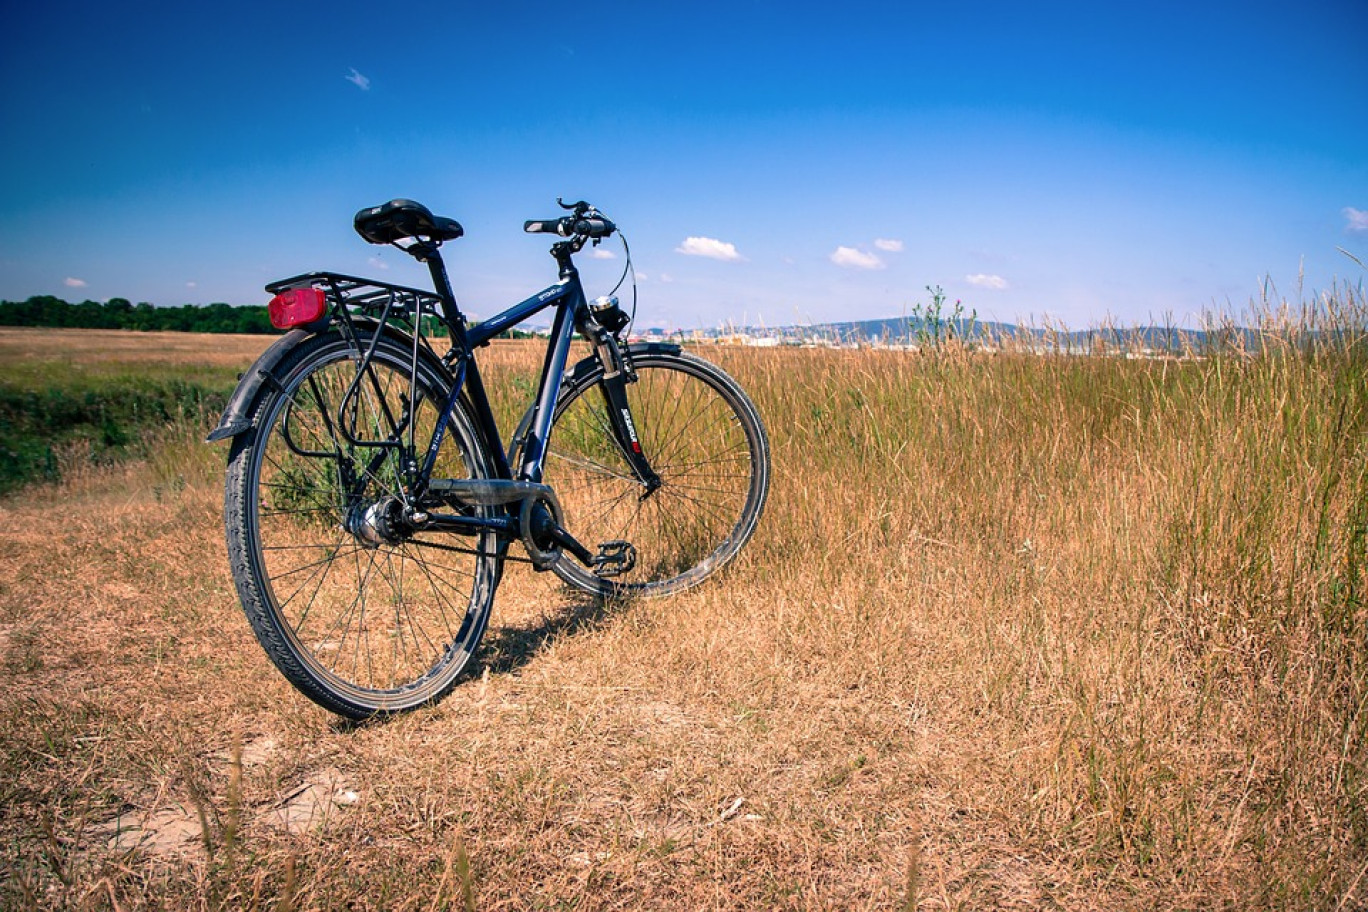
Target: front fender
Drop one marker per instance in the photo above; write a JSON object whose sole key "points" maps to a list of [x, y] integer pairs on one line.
{"points": [[237, 415], [583, 369], [579, 374]]}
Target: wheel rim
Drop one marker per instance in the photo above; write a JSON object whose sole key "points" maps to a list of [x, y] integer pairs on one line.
{"points": [[383, 623], [708, 460]]}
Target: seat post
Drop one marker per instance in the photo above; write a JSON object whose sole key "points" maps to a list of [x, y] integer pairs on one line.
{"points": [[427, 252]]}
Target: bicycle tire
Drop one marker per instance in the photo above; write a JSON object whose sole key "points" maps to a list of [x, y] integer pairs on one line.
{"points": [[702, 435], [361, 628]]}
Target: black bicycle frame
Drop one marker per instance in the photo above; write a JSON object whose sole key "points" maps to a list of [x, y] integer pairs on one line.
{"points": [[572, 313], [568, 297]]}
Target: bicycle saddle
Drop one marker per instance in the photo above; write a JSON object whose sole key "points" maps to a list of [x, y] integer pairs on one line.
{"points": [[399, 219]]}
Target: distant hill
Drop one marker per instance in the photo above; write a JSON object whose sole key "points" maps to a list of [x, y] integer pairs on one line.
{"points": [[914, 331]]}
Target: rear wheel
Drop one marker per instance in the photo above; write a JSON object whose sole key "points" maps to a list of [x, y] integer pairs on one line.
{"points": [[360, 612], [702, 436]]}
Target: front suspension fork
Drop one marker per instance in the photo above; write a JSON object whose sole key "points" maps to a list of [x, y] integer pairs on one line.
{"points": [[617, 374]]}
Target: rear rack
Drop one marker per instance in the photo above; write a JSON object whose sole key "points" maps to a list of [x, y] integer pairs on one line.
{"points": [[365, 295], [382, 305]]}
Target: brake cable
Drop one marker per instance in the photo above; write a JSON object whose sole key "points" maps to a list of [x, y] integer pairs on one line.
{"points": [[628, 268]]}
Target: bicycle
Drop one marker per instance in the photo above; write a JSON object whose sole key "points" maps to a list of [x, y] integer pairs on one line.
{"points": [[370, 503]]}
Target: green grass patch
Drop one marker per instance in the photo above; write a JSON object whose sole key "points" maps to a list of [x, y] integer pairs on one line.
{"points": [[50, 429]]}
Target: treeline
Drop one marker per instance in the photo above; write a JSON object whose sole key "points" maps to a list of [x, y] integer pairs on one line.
{"points": [[120, 313]]}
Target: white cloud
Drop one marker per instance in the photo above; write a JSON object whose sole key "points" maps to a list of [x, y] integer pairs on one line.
{"points": [[356, 79], [74, 283], [377, 263], [709, 247], [192, 284], [851, 258], [1358, 219], [991, 282], [892, 245], [600, 254]]}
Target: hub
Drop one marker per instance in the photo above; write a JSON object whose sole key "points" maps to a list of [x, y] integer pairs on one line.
{"points": [[376, 524]]}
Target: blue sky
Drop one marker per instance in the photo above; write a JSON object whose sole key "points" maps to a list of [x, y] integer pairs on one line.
{"points": [[775, 162]]}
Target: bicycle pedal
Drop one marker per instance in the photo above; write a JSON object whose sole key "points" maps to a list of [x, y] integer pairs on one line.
{"points": [[614, 558]]}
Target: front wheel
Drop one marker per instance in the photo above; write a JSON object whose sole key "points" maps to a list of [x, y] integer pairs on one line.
{"points": [[360, 612], [702, 436]]}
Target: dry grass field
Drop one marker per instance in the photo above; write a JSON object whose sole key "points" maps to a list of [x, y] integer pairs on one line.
{"points": [[1017, 631], [102, 353]]}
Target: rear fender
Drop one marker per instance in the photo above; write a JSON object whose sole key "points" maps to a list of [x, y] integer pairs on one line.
{"points": [[237, 416]]}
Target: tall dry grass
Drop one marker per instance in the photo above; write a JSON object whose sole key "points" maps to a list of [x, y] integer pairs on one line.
{"points": [[1133, 590], [1018, 631]]}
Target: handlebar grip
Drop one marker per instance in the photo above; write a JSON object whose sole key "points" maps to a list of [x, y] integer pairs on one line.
{"points": [[543, 226]]}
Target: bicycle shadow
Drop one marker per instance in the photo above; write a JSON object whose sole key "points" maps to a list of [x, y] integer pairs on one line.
{"points": [[512, 647]]}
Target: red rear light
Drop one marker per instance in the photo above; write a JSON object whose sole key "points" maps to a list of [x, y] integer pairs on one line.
{"points": [[297, 307]]}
